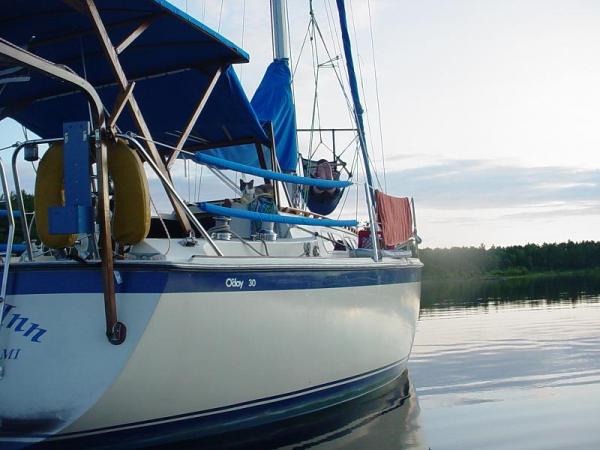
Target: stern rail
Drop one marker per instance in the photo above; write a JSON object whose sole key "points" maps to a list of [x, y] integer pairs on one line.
{"points": [[9, 243]]}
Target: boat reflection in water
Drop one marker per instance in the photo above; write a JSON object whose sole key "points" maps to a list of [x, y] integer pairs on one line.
{"points": [[388, 418]]}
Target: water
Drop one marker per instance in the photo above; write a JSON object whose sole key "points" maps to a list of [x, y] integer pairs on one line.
{"points": [[509, 364], [495, 365]]}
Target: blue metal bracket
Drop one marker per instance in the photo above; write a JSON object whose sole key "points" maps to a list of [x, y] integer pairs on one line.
{"points": [[77, 215]]}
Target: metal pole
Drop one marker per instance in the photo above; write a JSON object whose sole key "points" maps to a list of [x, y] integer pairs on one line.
{"points": [[11, 234], [167, 184], [415, 235], [24, 227], [279, 29], [372, 225]]}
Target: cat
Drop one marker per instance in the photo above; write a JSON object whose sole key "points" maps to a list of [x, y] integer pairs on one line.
{"points": [[247, 190]]}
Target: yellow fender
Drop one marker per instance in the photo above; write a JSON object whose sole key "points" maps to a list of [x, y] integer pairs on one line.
{"points": [[131, 216], [49, 192]]}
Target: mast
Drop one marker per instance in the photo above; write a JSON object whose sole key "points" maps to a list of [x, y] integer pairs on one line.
{"points": [[358, 109], [279, 29]]}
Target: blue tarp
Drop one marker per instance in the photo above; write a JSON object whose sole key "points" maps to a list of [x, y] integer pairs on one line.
{"points": [[287, 178], [172, 63], [272, 102]]}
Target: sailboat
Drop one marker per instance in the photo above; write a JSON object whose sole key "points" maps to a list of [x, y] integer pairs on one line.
{"points": [[122, 327]]}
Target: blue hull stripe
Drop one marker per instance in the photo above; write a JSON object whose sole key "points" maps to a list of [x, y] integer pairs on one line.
{"points": [[234, 417], [82, 279]]}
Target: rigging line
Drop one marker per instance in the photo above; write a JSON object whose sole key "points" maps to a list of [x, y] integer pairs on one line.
{"points": [[164, 226], [358, 176], [200, 183], [315, 62], [85, 76], [364, 91], [220, 15], [347, 193], [348, 101], [372, 162], [301, 50], [338, 51], [204, 11], [10, 146], [377, 96], [354, 139], [189, 179], [195, 180], [332, 30]]}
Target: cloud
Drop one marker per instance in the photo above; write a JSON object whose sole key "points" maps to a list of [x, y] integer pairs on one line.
{"points": [[483, 184]]}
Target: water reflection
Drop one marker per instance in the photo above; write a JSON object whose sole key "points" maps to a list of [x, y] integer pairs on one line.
{"points": [[472, 293], [386, 419], [512, 364]]}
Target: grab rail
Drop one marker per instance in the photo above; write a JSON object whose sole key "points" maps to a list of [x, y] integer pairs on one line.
{"points": [[9, 242], [20, 201]]}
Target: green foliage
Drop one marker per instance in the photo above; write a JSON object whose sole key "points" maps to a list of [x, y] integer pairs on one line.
{"points": [[29, 207], [516, 260]]}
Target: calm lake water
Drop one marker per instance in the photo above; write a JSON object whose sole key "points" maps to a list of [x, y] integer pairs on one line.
{"points": [[496, 365], [513, 364]]}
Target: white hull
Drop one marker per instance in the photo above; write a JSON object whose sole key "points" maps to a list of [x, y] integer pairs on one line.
{"points": [[194, 360]]}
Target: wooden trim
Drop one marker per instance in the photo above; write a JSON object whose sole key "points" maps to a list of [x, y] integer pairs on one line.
{"points": [[133, 36], [106, 248], [120, 103], [138, 117]]}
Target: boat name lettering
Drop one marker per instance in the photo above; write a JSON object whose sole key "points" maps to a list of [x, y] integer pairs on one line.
{"points": [[234, 283], [19, 324], [9, 353]]}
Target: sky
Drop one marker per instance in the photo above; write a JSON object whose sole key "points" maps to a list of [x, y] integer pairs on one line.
{"points": [[488, 109]]}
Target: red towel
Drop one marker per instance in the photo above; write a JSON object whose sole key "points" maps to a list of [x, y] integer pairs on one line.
{"points": [[395, 218]]}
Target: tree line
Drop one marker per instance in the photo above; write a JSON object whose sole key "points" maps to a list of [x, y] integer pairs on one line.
{"points": [[513, 260], [28, 201]]}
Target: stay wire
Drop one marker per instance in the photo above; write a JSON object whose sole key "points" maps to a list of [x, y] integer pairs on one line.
{"points": [[377, 96], [220, 15], [364, 92]]}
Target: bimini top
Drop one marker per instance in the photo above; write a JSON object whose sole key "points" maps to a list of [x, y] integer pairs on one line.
{"points": [[172, 62]]}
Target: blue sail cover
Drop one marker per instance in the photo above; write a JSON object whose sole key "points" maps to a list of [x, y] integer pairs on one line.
{"points": [[172, 63], [272, 102]]}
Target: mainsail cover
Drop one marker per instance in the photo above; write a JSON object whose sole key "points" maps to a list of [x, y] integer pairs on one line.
{"points": [[272, 102]]}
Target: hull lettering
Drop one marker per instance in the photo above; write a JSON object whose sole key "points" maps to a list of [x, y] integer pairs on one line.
{"points": [[20, 324], [9, 353]]}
